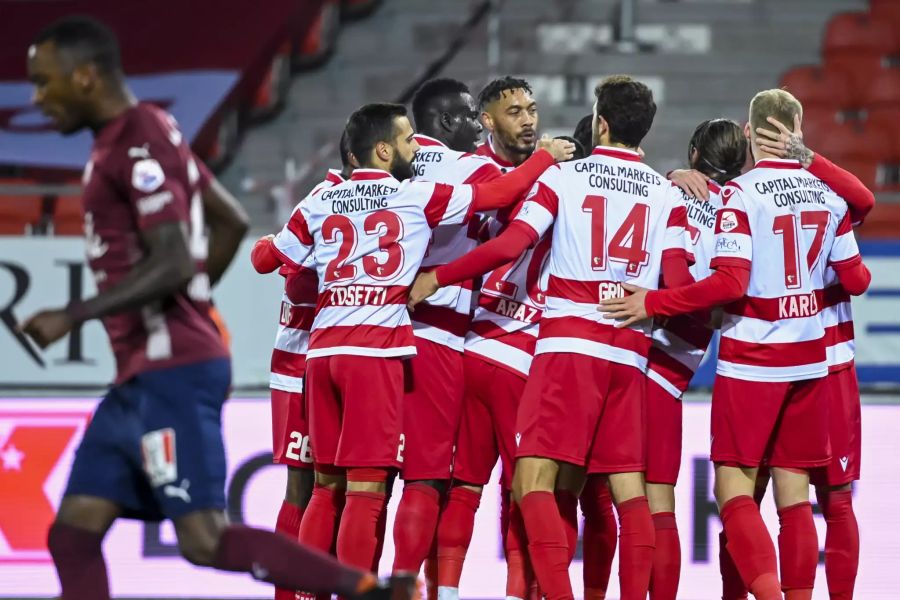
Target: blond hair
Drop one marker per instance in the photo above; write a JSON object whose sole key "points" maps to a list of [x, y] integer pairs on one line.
{"points": [[780, 104]]}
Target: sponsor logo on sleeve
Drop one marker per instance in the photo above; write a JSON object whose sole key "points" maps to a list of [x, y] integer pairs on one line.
{"points": [[728, 221], [147, 175], [724, 246], [149, 205]]}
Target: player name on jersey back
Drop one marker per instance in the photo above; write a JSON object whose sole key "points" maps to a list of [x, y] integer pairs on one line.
{"points": [[613, 218], [787, 226]]}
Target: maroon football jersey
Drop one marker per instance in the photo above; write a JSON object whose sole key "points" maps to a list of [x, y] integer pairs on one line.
{"points": [[142, 173]]}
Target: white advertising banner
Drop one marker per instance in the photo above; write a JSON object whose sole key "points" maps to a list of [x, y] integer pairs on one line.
{"points": [[38, 438]]}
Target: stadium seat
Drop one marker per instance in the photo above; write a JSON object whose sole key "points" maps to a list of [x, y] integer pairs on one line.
{"points": [[858, 148], [19, 214], [67, 216], [888, 13], [883, 95], [818, 88], [817, 124], [858, 45]]}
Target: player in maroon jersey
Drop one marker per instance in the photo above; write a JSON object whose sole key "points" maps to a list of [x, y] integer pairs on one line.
{"points": [[154, 447]]}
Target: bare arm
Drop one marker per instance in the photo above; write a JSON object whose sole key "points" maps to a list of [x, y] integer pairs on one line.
{"points": [[228, 224]]}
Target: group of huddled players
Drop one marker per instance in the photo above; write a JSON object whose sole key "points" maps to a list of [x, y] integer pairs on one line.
{"points": [[599, 283], [547, 302]]}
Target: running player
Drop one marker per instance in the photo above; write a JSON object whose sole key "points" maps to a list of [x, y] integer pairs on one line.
{"points": [[786, 423], [154, 447], [564, 426], [370, 235]]}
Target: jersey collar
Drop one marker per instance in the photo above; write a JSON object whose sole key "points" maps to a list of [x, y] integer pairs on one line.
{"points": [[334, 176], [425, 140], [620, 153], [486, 148], [714, 187], [365, 174], [778, 163]]}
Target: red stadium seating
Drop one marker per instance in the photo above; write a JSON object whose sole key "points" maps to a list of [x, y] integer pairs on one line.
{"points": [[19, 214], [859, 148], [817, 124], [888, 13], [820, 89], [858, 45], [883, 94], [67, 216]]}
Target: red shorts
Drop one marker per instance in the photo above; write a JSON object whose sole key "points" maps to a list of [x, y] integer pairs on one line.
{"points": [[663, 434], [784, 424], [431, 411], [583, 410], [488, 427], [846, 431], [355, 412], [290, 433]]}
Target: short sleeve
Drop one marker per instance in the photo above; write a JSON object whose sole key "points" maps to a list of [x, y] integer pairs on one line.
{"points": [[294, 242], [845, 251], [448, 204], [733, 236], [541, 205], [676, 239]]}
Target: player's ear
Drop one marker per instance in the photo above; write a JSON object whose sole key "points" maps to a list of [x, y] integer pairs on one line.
{"points": [[384, 151], [487, 121], [84, 77], [747, 130], [446, 120]]}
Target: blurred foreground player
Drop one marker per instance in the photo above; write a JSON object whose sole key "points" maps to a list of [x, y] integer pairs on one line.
{"points": [[154, 447], [779, 229]]}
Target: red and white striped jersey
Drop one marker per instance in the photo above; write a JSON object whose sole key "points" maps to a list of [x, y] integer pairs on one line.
{"points": [[369, 234], [787, 226], [294, 320], [837, 318], [679, 343], [504, 328], [444, 317], [614, 219]]}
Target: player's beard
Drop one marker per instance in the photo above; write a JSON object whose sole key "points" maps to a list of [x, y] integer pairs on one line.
{"points": [[401, 169]]}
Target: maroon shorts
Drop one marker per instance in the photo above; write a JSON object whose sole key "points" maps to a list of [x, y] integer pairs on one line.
{"points": [[663, 434], [488, 427], [355, 412], [846, 431], [431, 411], [583, 410], [290, 433], [781, 424]]}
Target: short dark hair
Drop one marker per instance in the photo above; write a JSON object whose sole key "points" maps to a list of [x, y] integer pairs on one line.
{"points": [[344, 149], [721, 149], [493, 90], [371, 124], [87, 40], [584, 132], [579, 147], [430, 91], [628, 108]]}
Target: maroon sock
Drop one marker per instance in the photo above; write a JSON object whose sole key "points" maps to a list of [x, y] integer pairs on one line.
{"points": [[636, 543], [380, 532], [455, 533], [288, 524], [319, 524], [519, 575], [356, 542], [798, 551], [568, 511], [547, 544], [415, 526], [666, 558], [274, 558], [733, 587], [78, 556], [601, 534], [751, 548], [841, 543]]}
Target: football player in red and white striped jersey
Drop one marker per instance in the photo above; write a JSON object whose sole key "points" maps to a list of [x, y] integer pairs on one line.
{"points": [[369, 236], [602, 237], [779, 229]]}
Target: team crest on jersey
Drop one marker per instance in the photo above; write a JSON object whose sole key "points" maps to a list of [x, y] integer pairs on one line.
{"points": [[147, 175], [727, 193], [728, 221]]}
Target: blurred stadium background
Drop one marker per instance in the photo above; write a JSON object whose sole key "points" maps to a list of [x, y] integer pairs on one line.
{"points": [[262, 90]]}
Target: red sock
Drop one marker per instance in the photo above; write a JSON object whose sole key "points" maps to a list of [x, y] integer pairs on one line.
{"points": [[798, 551], [273, 558], [415, 526], [601, 533], [430, 569], [319, 524], [380, 532], [733, 587], [455, 533], [78, 556], [636, 544], [841, 543], [751, 548], [519, 576], [288, 523], [568, 510], [547, 544], [666, 558], [356, 540]]}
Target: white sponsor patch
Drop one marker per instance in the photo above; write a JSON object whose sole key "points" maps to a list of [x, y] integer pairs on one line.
{"points": [[153, 204], [147, 175], [727, 246], [729, 221], [158, 449]]}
